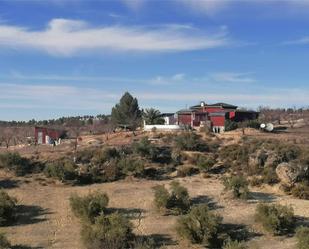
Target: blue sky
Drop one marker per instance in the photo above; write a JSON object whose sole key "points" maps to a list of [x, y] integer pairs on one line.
{"points": [[77, 57]]}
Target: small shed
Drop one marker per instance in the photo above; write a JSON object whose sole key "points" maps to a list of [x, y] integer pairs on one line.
{"points": [[45, 135]]}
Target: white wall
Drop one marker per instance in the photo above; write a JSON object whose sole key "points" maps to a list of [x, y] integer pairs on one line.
{"points": [[162, 127]]}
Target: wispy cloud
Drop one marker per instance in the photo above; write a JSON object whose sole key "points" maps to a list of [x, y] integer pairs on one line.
{"points": [[64, 37], [52, 97], [165, 80], [208, 7], [301, 41], [135, 5], [231, 77]]}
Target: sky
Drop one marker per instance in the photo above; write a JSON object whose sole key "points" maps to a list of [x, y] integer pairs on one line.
{"points": [[77, 57]]}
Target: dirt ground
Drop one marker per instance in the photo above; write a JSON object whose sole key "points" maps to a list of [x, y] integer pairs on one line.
{"points": [[45, 219]]}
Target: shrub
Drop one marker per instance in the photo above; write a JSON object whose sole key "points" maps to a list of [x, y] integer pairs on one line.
{"points": [[270, 176], [186, 170], [302, 236], [255, 124], [7, 208], [105, 155], [63, 170], [161, 197], [276, 219], [176, 157], [205, 163], [234, 244], [15, 163], [112, 231], [177, 200], [143, 147], [190, 141], [238, 185], [4, 243], [199, 226], [301, 191], [131, 166], [89, 206], [230, 125]]}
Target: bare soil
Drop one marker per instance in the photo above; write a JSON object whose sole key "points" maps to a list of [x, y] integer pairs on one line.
{"points": [[45, 219]]}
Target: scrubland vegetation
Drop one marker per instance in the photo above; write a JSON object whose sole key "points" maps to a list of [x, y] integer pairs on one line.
{"points": [[146, 190]]}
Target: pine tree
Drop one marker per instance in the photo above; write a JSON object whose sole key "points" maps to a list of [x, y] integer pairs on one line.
{"points": [[126, 112]]}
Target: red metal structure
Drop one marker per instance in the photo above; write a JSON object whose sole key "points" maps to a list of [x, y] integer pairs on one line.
{"points": [[45, 135]]}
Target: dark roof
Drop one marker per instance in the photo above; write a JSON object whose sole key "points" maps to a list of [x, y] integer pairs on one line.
{"points": [[185, 111], [247, 111], [221, 104], [224, 105]]}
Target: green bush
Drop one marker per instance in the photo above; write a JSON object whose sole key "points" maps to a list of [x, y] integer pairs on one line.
{"points": [[131, 166], [102, 156], [276, 219], [112, 231], [230, 125], [238, 185], [64, 170], [143, 147], [190, 141], [199, 226], [301, 191], [255, 124], [15, 163], [234, 244], [161, 197], [7, 208], [186, 170], [269, 176], [176, 157], [4, 243], [89, 206], [205, 163], [302, 236], [177, 200]]}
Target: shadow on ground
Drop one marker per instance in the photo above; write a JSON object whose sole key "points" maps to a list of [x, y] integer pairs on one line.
{"points": [[157, 240], [9, 183], [25, 247], [261, 197], [239, 232], [30, 214], [131, 213], [302, 221], [203, 199]]}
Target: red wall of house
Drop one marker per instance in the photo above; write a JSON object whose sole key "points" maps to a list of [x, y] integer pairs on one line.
{"points": [[54, 134], [184, 119], [218, 121], [213, 109], [232, 115]]}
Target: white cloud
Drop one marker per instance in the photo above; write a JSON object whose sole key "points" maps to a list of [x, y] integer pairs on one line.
{"points": [[208, 7], [69, 37], [231, 77], [301, 41], [166, 80], [134, 4], [51, 97]]}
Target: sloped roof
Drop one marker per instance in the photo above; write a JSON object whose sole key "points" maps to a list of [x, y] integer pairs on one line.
{"points": [[221, 104]]}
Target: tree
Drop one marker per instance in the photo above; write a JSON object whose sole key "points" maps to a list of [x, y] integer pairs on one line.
{"points": [[126, 112], [152, 116]]}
